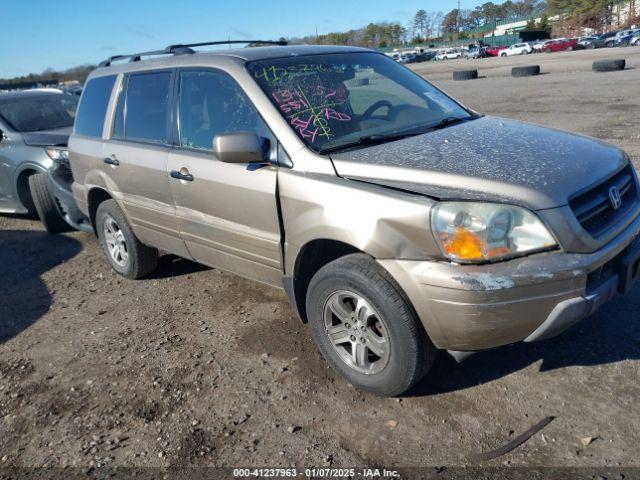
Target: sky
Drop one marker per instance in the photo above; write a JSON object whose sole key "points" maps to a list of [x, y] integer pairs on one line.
{"points": [[38, 34]]}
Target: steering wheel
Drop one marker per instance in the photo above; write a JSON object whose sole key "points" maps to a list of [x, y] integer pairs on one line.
{"points": [[376, 106]]}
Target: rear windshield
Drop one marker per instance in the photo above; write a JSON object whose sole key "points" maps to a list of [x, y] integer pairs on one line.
{"points": [[335, 98], [35, 112]]}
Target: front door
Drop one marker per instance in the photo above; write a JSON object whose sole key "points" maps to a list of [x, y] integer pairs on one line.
{"points": [[227, 213]]}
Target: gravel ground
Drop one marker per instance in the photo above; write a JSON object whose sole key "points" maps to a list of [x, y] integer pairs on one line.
{"points": [[194, 367]]}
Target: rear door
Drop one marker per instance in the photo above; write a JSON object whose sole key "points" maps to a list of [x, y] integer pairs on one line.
{"points": [[86, 142], [135, 158], [227, 213]]}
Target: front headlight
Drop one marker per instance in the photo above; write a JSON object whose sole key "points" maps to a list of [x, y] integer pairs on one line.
{"points": [[470, 232], [58, 154]]}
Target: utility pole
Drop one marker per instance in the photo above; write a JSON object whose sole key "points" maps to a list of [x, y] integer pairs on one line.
{"points": [[458, 18]]}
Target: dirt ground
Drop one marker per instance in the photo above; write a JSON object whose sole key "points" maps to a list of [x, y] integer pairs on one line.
{"points": [[194, 367]]}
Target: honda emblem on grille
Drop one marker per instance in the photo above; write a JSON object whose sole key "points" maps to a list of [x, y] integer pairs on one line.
{"points": [[615, 198]]}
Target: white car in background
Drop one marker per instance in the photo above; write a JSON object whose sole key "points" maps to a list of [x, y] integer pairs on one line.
{"points": [[449, 55], [517, 49]]}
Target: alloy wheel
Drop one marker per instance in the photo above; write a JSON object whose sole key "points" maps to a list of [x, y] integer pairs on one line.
{"points": [[116, 244], [356, 331]]}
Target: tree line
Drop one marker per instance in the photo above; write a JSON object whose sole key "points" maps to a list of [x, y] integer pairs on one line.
{"points": [[79, 73], [594, 14], [427, 25]]}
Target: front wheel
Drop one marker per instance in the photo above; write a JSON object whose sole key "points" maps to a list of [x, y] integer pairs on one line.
{"points": [[125, 253], [366, 328]]}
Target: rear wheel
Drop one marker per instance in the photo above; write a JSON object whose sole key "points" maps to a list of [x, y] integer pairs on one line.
{"points": [[45, 204], [365, 328], [125, 253]]}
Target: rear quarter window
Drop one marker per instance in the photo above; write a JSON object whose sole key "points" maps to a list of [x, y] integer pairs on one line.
{"points": [[93, 106]]}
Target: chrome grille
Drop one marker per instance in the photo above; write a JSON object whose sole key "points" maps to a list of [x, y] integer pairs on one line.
{"points": [[595, 209]]}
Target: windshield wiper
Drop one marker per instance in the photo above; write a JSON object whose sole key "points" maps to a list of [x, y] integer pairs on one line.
{"points": [[366, 140], [449, 121]]}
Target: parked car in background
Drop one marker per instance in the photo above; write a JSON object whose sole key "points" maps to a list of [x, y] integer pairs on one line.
{"points": [[588, 42], [517, 49], [34, 124], [537, 45], [475, 51], [627, 38], [635, 41], [494, 51], [561, 45], [448, 55], [400, 223], [422, 57]]}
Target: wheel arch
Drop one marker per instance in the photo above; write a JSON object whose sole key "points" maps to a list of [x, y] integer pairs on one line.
{"points": [[95, 197], [22, 182], [314, 255]]}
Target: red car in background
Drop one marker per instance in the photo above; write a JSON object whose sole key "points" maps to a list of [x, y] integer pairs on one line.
{"points": [[561, 45], [494, 51]]}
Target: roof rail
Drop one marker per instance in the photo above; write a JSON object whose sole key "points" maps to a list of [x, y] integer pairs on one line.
{"points": [[186, 49]]}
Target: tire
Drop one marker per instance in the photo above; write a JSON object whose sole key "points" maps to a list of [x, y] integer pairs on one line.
{"points": [[408, 353], [570, 49], [609, 65], [465, 74], [527, 71], [45, 205], [547, 50], [132, 259]]}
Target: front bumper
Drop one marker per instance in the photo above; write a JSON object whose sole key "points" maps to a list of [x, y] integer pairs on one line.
{"points": [[60, 180], [476, 307]]}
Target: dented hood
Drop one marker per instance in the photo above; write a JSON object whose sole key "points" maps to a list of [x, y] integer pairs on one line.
{"points": [[489, 159]]}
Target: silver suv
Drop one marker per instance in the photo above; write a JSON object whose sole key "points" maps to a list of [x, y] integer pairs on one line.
{"points": [[397, 220]]}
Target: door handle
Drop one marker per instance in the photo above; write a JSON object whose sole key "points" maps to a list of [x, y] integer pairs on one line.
{"points": [[112, 160], [183, 174]]}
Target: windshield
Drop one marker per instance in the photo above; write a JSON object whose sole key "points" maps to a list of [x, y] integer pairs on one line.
{"points": [[335, 99], [33, 112]]}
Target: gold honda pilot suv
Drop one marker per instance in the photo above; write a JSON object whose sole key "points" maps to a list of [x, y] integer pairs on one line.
{"points": [[397, 220]]}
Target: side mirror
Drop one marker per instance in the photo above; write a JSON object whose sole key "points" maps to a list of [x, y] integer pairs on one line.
{"points": [[2, 137], [241, 147]]}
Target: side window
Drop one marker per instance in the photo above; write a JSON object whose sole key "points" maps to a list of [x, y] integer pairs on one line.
{"points": [[142, 108], [93, 107], [211, 103]]}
